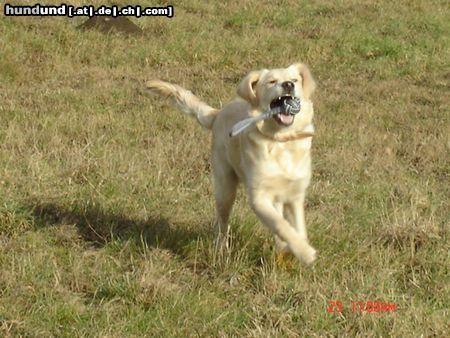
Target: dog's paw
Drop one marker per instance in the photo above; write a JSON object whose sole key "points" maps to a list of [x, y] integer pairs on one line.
{"points": [[305, 253], [281, 245], [310, 255]]}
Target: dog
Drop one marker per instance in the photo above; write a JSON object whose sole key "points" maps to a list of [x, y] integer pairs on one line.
{"points": [[272, 158]]}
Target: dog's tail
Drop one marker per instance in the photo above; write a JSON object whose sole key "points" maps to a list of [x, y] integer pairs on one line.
{"points": [[185, 101]]}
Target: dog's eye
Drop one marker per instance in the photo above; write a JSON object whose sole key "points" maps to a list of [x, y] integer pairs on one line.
{"points": [[294, 80], [272, 82]]}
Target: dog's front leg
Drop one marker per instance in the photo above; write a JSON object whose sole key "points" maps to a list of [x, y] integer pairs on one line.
{"points": [[280, 244], [295, 212], [269, 215]]}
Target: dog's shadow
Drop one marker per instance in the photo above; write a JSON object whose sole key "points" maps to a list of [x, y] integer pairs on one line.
{"points": [[99, 227]]}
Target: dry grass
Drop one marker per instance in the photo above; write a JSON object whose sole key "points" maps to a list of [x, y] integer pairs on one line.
{"points": [[105, 198]]}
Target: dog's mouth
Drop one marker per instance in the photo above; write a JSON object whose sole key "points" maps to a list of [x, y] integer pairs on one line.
{"points": [[284, 118]]}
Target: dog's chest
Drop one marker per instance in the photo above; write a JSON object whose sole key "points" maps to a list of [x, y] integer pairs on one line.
{"points": [[281, 170], [287, 161], [284, 173]]}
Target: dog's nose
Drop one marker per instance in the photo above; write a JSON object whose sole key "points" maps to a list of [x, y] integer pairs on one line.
{"points": [[288, 86]]}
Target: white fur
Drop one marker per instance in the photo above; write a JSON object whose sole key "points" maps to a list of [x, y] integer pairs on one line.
{"points": [[275, 174]]}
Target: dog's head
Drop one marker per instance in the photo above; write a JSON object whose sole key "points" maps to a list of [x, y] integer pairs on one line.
{"points": [[265, 89]]}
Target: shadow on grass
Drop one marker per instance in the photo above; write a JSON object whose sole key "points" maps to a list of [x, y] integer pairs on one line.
{"points": [[99, 227]]}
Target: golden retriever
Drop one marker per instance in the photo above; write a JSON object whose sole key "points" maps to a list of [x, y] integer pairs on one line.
{"points": [[271, 158]]}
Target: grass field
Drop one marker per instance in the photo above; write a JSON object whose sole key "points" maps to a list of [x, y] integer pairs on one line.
{"points": [[106, 204]]}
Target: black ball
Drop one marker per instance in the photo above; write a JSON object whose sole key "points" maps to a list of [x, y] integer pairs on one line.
{"points": [[292, 105]]}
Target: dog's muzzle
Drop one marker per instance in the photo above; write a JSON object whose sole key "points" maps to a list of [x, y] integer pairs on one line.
{"points": [[288, 107], [282, 109]]}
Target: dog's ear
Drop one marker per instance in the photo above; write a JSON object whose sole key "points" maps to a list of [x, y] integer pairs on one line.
{"points": [[246, 88], [308, 83]]}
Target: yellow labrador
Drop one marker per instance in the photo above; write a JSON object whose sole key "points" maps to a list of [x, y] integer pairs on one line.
{"points": [[271, 158]]}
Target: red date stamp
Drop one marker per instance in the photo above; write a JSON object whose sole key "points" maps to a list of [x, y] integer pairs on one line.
{"points": [[360, 306]]}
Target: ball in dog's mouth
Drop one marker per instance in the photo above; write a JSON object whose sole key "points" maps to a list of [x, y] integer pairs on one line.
{"points": [[284, 118]]}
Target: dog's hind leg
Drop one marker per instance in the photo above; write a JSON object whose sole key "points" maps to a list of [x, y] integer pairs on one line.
{"points": [[225, 187]]}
